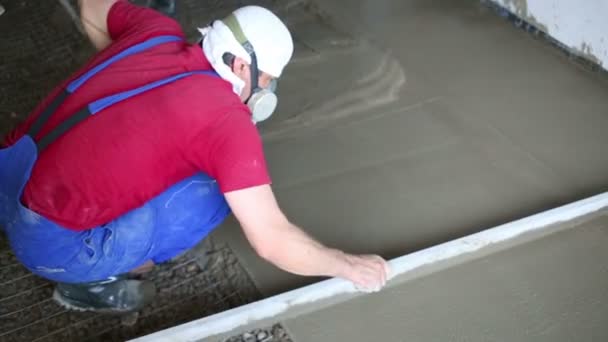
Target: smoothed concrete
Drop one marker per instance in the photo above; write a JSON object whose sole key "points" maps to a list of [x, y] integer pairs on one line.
{"points": [[405, 269], [475, 123], [552, 289]]}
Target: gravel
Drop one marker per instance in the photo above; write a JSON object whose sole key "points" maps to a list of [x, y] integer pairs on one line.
{"points": [[276, 333]]}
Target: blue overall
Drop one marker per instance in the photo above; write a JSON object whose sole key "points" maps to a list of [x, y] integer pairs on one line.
{"points": [[167, 225]]}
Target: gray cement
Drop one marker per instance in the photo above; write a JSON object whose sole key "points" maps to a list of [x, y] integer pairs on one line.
{"points": [[552, 289], [433, 120]]}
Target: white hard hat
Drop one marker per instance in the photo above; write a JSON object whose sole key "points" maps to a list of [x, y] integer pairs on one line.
{"points": [[262, 29], [269, 37]]}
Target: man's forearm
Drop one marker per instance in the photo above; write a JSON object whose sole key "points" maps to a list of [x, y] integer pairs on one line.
{"points": [[296, 252], [94, 16], [288, 247]]}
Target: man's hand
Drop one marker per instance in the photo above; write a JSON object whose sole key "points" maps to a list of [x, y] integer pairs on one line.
{"points": [[286, 246], [367, 272]]}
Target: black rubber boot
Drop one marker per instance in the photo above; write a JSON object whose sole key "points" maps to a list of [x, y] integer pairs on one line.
{"points": [[117, 295], [167, 7]]}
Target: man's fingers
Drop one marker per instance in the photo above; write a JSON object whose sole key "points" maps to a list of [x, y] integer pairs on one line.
{"points": [[378, 269], [371, 272], [381, 267]]}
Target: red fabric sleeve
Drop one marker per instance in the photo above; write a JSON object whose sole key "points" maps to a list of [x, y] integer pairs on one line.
{"points": [[237, 159], [126, 19]]}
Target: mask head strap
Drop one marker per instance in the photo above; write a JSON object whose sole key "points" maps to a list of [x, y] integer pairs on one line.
{"points": [[233, 24]]}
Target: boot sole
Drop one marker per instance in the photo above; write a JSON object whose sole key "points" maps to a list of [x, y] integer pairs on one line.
{"points": [[75, 305]]}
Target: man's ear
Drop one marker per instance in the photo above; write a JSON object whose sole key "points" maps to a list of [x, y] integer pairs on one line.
{"points": [[239, 66]]}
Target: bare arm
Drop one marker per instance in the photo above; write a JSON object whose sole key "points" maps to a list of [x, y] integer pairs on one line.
{"points": [[286, 246], [94, 16]]}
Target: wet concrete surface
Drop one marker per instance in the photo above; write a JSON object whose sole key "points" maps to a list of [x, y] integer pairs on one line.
{"points": [[551, 289], [437, 120]]}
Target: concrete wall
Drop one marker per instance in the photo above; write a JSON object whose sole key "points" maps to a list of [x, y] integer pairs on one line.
{"points": [[582, 26]]}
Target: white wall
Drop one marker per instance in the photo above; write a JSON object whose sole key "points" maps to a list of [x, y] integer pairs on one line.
{"points": [[580, 25]]}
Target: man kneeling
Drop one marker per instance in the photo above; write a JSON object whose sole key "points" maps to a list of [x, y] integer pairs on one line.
{"points": [[139, 155]]}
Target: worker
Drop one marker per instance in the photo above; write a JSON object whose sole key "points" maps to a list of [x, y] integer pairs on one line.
{"points": [[139, 155]]}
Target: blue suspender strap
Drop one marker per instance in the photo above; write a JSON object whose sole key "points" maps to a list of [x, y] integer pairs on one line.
{"points": [[77, 83], [128, 52], [106, 102], [63, 127], [58, 100], [46, 114], [102, 104]]}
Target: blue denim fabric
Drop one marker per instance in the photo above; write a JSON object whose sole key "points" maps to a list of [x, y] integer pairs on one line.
{"points": [[164, 227]]}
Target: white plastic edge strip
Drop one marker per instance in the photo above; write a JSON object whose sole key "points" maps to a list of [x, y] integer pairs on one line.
{"points": [[270, 307]]}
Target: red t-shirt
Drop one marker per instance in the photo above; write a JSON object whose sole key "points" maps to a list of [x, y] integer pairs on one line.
{"points": [[128, 153]]}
